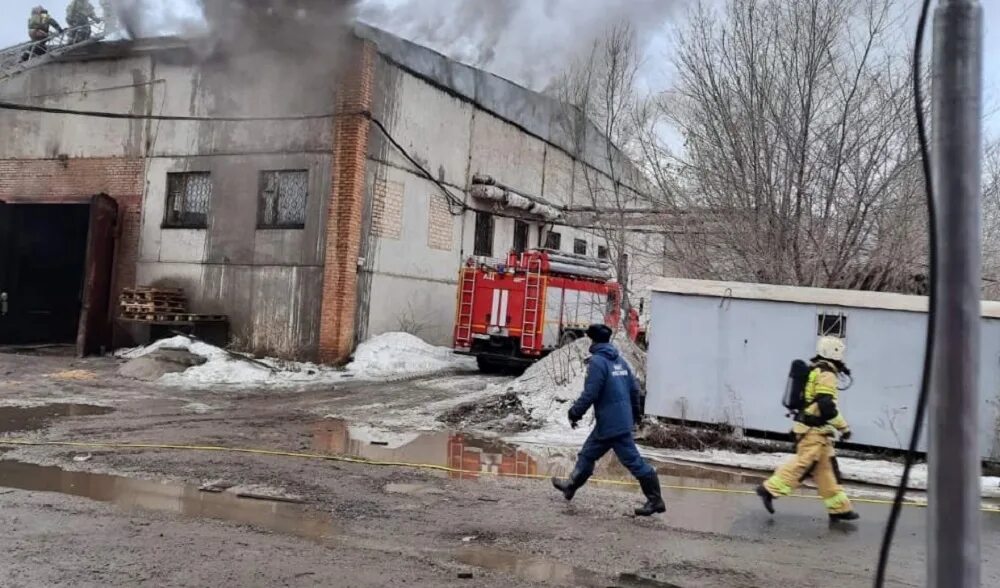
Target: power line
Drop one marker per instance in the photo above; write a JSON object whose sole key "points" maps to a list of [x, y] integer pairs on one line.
{"points": [[918, 419], [4, 105]]}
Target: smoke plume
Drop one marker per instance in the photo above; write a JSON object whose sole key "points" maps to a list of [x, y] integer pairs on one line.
{"points": [[529, 41]]}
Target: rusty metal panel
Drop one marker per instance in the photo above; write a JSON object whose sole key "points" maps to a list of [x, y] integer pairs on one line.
{"points": [[95, 313]]}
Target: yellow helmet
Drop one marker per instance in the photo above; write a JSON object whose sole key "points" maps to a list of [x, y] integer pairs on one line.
{"points": [[831, 348]]}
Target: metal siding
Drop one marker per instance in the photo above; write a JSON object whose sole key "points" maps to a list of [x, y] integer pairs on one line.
{"points": [[718, 361]]}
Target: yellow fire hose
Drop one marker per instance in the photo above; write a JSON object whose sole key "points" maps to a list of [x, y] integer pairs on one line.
{"points": [[400, 464]]}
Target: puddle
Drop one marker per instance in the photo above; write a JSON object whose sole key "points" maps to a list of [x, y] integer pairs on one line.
{"points": [[18, 418], [546, 571], [179, 499], [476, 457]]}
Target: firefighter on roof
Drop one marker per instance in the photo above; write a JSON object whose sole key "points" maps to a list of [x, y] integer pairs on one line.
{"points": [[816, 428], [80, 14], [40, 27], [613, 391]]}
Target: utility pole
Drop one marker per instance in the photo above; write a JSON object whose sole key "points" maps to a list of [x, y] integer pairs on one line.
{"points": [[953, 515]]}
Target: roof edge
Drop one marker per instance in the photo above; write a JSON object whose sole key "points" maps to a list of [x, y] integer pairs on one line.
{"points": [[804, 295]]}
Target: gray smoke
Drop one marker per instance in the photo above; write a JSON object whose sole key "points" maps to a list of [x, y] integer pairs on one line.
{"points": [[529, 41]]}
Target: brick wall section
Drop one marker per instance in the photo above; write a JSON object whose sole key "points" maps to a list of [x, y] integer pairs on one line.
{"points": [[441, 223], [344, 209], [76, 180], [387, 209]]}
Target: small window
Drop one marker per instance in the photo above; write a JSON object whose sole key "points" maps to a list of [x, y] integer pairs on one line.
{"points": [[483, 247], [580, 246], [283, 197], [188, 199], [602, 252], [520, 236], [832, 325], [553, 241]]}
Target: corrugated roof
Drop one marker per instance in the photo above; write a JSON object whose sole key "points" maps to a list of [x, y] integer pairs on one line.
{"points": [[800, 295]]}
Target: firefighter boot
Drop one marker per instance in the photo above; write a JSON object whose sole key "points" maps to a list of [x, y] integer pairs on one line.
{"points": [[844, 517], [766, 497], [654, 499], [569, 486]]}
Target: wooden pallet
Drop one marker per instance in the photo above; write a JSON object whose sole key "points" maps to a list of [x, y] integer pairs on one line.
{"points": [[153, 308], [175, 317]]}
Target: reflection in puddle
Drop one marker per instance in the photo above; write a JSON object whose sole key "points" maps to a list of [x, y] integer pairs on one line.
{"points": [[17, 418], [179, 499], [473, 457], [546, 571]]}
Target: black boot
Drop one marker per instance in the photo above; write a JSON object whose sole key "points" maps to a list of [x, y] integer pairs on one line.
{"points": [[654, 499], [569, 486], [766, 497], [845, 516]]}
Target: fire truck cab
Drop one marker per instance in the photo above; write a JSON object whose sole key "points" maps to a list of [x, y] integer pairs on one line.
{"points": [[513, 313]]}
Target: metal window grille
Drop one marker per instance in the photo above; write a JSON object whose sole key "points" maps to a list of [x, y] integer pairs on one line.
{"points": [[579, 246], [188, 198], [602, 252], [283, 198], [520, 236], [832, 325], [483, 247], [553, 240]]}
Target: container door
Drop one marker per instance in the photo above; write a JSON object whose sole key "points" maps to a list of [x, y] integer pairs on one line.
{"points": [[95, 314]]}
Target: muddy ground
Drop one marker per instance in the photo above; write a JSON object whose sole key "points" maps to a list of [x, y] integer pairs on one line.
{"points": [[117, 517]]}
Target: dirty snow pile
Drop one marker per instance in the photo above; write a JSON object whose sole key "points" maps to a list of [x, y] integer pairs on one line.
{"points": [[392, 355], [225, 368], [402, 355], [549, 387]]}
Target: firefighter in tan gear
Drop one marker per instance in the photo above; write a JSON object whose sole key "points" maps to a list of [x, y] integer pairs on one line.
{"points": [[40, 27], [816, 429]]}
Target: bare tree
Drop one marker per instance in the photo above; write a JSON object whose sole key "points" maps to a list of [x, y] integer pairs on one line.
{"points": [[611, 194], [800, 163]]}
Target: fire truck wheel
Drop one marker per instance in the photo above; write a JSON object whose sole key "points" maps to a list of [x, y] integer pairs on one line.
{"points": [[568, 338], [486, 365]]}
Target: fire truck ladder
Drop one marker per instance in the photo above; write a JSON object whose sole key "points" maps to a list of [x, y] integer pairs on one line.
{"points": [[463, 327], [20, 58], [532, 305]]}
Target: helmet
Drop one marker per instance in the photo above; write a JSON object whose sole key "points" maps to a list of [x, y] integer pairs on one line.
{"points": [[831, 348]]}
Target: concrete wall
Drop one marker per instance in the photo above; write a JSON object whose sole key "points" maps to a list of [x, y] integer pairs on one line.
{"points": [[409, 283], [727, 361], [268, 281]]}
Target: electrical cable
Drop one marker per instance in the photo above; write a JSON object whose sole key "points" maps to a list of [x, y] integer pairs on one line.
{"points": [[5, 105], [918, 421]]}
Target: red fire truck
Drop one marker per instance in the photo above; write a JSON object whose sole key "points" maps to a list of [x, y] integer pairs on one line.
{"points": [[515, 312]]}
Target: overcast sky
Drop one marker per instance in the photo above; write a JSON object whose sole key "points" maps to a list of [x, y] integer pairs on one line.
{"points": [[13, 29]]}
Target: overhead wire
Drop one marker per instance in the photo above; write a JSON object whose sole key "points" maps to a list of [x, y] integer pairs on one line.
{"points": [[918, 420]]}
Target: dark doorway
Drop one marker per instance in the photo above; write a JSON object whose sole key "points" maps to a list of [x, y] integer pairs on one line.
{"points": [[43, 249]]}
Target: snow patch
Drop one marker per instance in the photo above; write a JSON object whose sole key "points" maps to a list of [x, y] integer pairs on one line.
{"points": [[877, 472], [401, 354], [393, 355]]}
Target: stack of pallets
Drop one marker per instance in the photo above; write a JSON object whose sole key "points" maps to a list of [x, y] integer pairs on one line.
{"points": [[161, 305]]}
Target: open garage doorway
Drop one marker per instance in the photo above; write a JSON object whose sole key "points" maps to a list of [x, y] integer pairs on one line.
{"points": [[56, 265]]}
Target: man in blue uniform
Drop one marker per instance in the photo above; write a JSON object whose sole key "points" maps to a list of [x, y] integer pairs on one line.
{"points": [[613, 391]]}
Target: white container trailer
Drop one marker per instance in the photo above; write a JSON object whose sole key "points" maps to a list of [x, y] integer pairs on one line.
{"points": [[720, 352]]}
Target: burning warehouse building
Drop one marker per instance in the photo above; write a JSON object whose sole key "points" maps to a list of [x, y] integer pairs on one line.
{"points": [[313, 205]]}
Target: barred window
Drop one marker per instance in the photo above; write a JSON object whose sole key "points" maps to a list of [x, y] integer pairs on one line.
{"points": [[483, 245], [283, 197], [188, 198], [553, 241], [602, 252], [580, 246], [520, 236]]}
